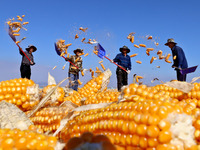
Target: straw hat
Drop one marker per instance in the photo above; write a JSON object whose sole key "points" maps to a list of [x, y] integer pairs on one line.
{"points": [[31, 46], [78, 50], [170, 41], [124, 47]]}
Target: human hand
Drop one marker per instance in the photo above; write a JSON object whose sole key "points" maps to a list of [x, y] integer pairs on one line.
{"points": [[128, 71], [111, 61]]}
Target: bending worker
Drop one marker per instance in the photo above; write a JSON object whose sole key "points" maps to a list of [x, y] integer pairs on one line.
{"points": [[25, 68], [180, 61], [124, 60]]}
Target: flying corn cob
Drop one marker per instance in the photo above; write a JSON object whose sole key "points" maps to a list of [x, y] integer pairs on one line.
{"points": [[156, 44], [136, 46], [16, 34], [83, 40], [100, 61], [82, 73], [83, 29], [19, 18], [174, 58], [138, 77], [92, 74], [130, 35], [168, 61], [133, 55], [103, 67], [16, 31], [79, 82], [67, 45], [147, 52], [150, 37], [86, 54], [54, 67], [142, 45], [76, 36], [167, 57], [132, 39], [137, 61], [150, 49], [152, 59]]}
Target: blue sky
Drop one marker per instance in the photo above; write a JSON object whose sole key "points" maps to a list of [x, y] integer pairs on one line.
{"points": [[109, 22]]}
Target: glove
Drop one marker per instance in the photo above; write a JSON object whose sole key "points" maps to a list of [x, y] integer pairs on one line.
{"points": [[111, 61], [128, 71]]}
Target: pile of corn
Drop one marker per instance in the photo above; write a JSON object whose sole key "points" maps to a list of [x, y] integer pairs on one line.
{"points": [[48, 119], [21, 92], [20, 140], [144, 124], [90, 88], [103, 97]]}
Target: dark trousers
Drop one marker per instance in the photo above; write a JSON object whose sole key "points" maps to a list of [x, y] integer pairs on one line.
{"points": [[25, 71], [122, 78], [180, 77]]}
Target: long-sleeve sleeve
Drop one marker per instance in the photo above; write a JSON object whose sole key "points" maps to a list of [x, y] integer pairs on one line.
{"points": [[116, 59], [129, 64]]}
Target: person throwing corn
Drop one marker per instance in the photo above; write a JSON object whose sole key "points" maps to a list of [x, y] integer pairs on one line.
{"points": [[124, 60], [180, 61], [25, 67], [73, 71]]}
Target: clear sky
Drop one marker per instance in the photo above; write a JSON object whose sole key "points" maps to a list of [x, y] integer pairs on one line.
{"points": [[109, 22]]}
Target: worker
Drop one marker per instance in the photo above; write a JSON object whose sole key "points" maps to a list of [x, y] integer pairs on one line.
{"points": [[124, 60], [180, 61], [74, 71], [25, 67]]}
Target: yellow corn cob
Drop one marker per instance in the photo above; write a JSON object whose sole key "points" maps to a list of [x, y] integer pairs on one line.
{"points": [[62, 54], [97, 68], [68, 55], [54, 67], [77, 59], [150, 37], [152, 59], [83, 29], [16, 34], [24, 23], [16, 30], [168, 61], [15, 91], [174, 57], [157, 44], [147, 52], [61, 41], [132, 39], [95, 52], [90, 69], [139, 62], [76, 36], [92, 74], [83, 40], [19, 18], [143, 124], [86, 54], [79, 82], [133, 55], [101, 61], [167, 57], [103, 67], [17, 42], [142, 45], [159, 52], [23, 16], [136, 46], [26, 140], [138, 77], [82, 73], [150, 49]]}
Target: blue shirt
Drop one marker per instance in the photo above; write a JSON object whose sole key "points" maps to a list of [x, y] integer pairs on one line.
{"points": [[180, 60], [122, 60]]}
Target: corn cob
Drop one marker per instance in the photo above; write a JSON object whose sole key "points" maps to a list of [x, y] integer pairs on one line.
{"points": [[83, 29], [17, 139], [79, 82], [174, 57], [76, 36], [103, 97], [16, 34], [19, 18], [48, 119], [136, 46], [103, 67], [16, 91], [150, 37], [83, 40], [150, 49], [54, 67], [139, 62], [133, 55], [152, 59], [132, 39], [86, 54], [145, 124], [142, 45], [56, 98], [147, 52]]}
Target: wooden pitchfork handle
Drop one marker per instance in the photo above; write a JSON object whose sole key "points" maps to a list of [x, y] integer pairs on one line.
{"points": [[71, 62], [116, 64]]}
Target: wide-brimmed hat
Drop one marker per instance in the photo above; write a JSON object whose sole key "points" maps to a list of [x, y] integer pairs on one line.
{"points": [[31, 46], [170, 41], [78, 50], [124, 47]]}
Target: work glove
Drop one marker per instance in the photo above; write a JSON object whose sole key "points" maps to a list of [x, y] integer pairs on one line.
{"points": [[128, 71], [111, 61]]}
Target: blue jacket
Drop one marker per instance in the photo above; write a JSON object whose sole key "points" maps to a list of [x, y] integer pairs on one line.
{"points": [[124, 61], [180, 61]]}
